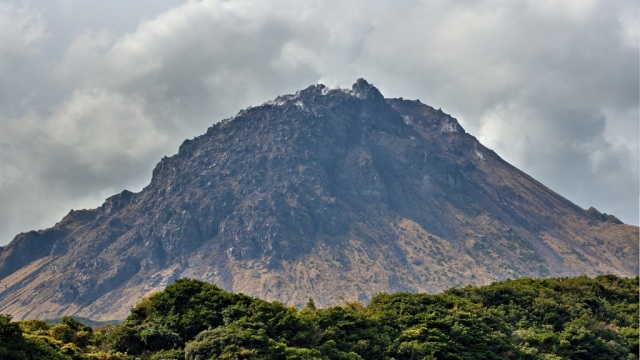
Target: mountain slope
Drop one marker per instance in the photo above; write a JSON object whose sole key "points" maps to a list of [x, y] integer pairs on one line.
{"points": [[325, 193]]}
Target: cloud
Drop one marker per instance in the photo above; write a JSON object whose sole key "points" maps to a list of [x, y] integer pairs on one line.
{"points": [[21, 29], [551, 87]]}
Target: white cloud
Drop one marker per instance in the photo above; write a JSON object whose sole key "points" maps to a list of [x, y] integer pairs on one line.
{"points": [[21, 33], [21, 29], [574, 10], [93, 120], [82, 60]]}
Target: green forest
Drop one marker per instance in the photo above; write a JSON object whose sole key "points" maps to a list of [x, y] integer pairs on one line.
{"points": [[563, 318]]}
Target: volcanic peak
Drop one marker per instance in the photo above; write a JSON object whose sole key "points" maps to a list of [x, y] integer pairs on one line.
{"points": [[323, 193]]}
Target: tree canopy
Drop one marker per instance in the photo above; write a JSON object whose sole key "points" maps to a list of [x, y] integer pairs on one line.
{"points": [[567, 318]]}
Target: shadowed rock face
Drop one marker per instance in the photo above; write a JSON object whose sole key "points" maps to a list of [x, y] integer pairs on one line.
{"points": [[328, 193]]}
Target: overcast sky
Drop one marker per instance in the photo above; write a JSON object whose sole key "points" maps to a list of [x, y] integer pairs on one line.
{"points": [[93, 93]]}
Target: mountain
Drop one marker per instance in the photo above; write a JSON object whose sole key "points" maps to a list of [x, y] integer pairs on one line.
{"points": [[329, 193]]}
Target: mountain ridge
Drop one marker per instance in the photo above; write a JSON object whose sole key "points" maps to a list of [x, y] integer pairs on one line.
{"points": [[323, 193]]}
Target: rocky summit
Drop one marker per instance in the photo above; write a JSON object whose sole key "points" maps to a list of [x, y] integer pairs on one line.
{"points": [[333, 194]]}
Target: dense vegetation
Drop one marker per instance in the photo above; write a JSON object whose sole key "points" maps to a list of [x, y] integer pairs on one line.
{"points": [[572, 318]]}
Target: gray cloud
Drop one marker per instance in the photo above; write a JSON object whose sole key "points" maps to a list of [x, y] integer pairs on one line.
{"points": [[21, 31], [551, 87]]}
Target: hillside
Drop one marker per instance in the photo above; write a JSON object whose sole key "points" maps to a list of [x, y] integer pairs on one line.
{"points": [[327, 193]]}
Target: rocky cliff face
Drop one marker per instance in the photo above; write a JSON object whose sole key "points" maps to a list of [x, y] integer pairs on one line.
{"points": [[329, 194]]}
